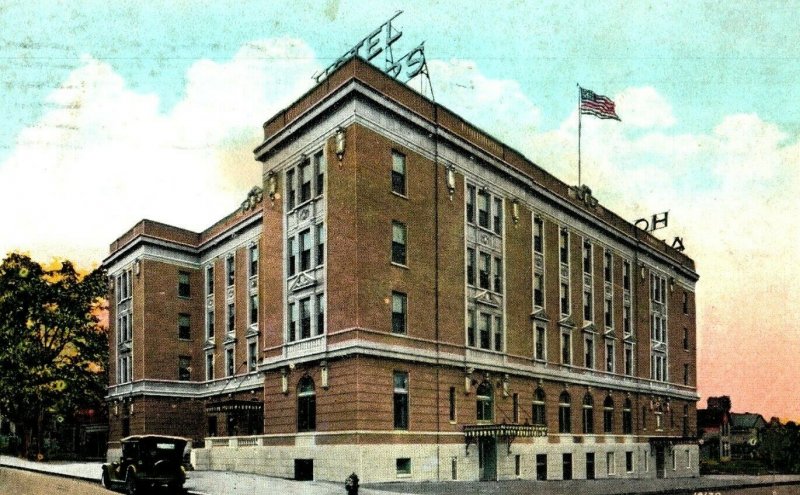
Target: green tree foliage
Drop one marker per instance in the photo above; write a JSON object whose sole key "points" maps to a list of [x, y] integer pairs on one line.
{"points": [[53, 349], [780, 447]]}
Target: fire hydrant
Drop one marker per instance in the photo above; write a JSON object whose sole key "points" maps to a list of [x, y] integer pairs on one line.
{"points": [[351, 484]]}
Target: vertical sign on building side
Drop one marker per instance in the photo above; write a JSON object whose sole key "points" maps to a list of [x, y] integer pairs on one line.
{"points": [[380, 41]]}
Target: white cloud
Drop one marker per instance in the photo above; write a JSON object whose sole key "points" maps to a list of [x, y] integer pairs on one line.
{"points": [[103, 156], [644, 107]]}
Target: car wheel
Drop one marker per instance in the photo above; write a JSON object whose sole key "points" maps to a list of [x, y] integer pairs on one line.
{"points": [[131, 484], [105, 480]]}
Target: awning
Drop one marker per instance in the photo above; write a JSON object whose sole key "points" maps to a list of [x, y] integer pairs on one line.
{"points": [[503, 431], [233, 405], [668, 441]]}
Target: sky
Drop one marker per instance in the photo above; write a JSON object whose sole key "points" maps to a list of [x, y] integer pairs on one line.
{"points": [[117, 111]]}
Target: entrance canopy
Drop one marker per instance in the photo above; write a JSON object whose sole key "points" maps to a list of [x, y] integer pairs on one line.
{"points": [[668, 441], [503, 431], [233, 405]]}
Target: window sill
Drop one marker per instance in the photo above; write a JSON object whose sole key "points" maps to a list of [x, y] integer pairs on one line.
{"points": [[399, 265], [404, 475], [400, 195]]}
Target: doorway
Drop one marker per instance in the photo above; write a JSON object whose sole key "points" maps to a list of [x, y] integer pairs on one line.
{"points": [[660, 471], [487, 459], [590, 465]]}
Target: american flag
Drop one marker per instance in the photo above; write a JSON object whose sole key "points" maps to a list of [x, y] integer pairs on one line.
{"points": [[598, 105]]}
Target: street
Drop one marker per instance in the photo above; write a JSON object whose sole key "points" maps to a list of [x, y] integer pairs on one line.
{"points": [[18, 482]]}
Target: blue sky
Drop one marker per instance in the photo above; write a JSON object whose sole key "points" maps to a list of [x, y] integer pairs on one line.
{"points": [[107, 105]]}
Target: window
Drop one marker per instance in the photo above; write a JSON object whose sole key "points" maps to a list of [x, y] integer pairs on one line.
{"points": [[608, 313], [403, 466], [685, 339], [292, 317], [498, 215], [626, 319], [319, 169], [291, 192], [484, 269], [685, 303], [400, 400], [253, 309], [184, 368], [252, 356], [538, 290], [253, 260], [610, 356], [564, 413], [587, 304], [291, 259], [471, 328], [231, 318], [305, 174], [399, 308], [517, 465], [229, 362], [686, 374], [608, 415], [306, 405], [470, 266], [566, 466], [399, 243], [209, 366], [629, 462], [210, 280], [398, 173], [539, 417], [471, 204], [484, 402], [627, 418], [588, 360], [483, 209], [498, 333], [587, 257], [611, 463], [564, 296], [608, 265], [588, 414], [320, 314], [183, 284], [515, 407], [538, 232], [305, 317], [685, 420], [452, 404], [320, 244], [230, 269], [566, 348], [498, 275], [210, 324], [626, 275], [644, 417], [484, 329], [541, 467], [184, 328], [541, 350], [628, 359], [563, 246], [305, 250]]}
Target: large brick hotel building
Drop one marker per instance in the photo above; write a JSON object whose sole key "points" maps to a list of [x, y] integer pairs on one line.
{"points": [[405, 297]]}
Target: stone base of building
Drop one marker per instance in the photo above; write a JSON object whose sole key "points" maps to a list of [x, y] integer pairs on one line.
{"points": [[320, 458]]}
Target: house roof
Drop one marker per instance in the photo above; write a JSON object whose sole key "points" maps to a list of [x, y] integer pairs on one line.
{"points": [[747, 420]]}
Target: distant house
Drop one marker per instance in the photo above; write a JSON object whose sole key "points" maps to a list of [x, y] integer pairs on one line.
{"points": [[746, 433], [714, 430]]}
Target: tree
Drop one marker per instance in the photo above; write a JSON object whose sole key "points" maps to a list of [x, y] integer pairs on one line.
{"points": [[53, 349]]}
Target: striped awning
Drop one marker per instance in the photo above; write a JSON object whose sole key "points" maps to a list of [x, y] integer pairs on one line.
{"points": [[667, 441], [505, 431], [233, 405]]}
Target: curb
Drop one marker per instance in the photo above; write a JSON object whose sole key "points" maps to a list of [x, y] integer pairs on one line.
{"points": [[92, 480]]}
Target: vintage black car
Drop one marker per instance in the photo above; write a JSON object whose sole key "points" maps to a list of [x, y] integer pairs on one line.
{"points": [[147, 461]]}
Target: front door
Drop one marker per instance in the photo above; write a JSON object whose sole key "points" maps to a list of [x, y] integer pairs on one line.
{"points": [[487, 459], [590, 465], [660, 462]]}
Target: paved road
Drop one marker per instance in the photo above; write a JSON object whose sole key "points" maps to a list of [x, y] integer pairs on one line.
{"points": [[18, 482]]}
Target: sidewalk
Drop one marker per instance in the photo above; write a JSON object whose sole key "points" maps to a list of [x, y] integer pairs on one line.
{"points": [[227, 483]]}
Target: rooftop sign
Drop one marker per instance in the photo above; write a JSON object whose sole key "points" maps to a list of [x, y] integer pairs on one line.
{"points": [[380, 41]]}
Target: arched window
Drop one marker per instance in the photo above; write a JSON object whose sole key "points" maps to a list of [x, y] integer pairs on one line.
{"points": [[539, 417], [564, 413], [588, 414], [484, 402], [608, 415], [306, 405], [627, 418]]}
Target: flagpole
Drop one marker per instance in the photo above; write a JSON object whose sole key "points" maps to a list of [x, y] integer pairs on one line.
{"points": [[579, 135]]}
